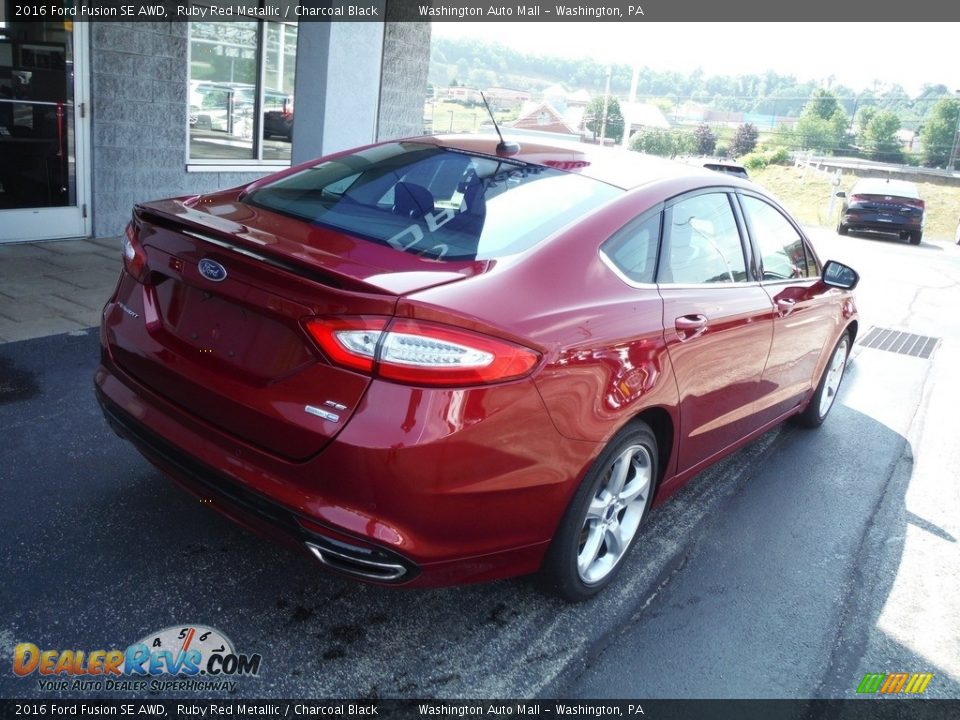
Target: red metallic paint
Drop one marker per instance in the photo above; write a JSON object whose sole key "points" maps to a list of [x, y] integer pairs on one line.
{"points": [[467, 483]]}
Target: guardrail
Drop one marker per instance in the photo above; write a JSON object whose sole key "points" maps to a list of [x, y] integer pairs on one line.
{"points": [[826, 162]]}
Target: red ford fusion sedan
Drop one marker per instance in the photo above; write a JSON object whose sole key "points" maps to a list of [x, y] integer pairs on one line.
{"points": [[444, 360]]}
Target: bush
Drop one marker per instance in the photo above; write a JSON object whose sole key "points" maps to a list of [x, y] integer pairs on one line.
{"points": [[780, 156], [760, 160], [653, 142], [744, 139], [754, 161], [685, 143], [705, 140]]}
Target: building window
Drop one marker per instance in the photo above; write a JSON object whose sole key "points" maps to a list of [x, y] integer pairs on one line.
{"points": [[241, 91]]}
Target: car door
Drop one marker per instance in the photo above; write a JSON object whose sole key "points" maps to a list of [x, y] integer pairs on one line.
{"points": [[718, 323], [805, 309]]}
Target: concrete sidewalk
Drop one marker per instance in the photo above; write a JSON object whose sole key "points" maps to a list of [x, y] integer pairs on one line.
{"points": [[55, 286]]}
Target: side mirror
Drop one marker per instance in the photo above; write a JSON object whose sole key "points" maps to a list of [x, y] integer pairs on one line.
{"points": [[840, 194], [838, 275]]}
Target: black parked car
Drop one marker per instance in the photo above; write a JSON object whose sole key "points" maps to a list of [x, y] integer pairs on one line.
{"points": [[885, 206]]}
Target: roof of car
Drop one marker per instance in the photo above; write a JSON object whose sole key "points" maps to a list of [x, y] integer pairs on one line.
{"points": [[615, 166], [881, 186]]}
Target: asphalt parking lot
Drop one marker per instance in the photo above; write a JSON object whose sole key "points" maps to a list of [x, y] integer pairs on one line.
{"points": [[789, 570]]}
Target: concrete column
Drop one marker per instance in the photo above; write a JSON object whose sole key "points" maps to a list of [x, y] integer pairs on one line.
{"points": [[337, 90], [406, 64]]}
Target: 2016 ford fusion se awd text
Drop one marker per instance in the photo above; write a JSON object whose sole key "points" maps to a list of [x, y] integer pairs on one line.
{"points": [[445, 360]]}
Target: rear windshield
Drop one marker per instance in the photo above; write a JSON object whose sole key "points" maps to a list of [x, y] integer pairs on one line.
{"points": [[897, 188], [436, 202]]}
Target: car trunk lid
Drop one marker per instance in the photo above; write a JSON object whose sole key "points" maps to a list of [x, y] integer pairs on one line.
{"points": [[232, 350]]}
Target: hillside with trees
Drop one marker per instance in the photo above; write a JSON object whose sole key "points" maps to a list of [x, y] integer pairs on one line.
{"points": [[481, 64]]}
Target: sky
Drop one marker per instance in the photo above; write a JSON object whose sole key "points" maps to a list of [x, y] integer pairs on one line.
{"points": [[856, 54]]}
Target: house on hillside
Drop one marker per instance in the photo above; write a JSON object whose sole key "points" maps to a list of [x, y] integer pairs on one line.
{"points": [[637, 115], [465, 95], [501, 98], [543, 117], [556, 96], [578, 98]]}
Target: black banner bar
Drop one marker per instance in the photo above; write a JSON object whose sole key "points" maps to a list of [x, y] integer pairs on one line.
{"points": [[732, 12], [204, 709]]}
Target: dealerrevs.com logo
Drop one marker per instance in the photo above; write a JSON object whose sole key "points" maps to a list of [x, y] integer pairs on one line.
{"points": [[180, 657]]}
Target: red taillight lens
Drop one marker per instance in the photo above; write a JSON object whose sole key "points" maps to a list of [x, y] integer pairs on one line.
{"points": [[134, 256], [348, 341], [915, 203], [856, 199], [420, 353]]}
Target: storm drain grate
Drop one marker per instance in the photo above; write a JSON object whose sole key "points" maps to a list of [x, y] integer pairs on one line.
{"points": [[902, 343]]}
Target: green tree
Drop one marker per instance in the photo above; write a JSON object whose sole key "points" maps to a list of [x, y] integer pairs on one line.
{"points": [[705, 140], [880, 137], [823, 124], [744, 140], [862, 120], [822, 104], [594, 111], [937, 134]]}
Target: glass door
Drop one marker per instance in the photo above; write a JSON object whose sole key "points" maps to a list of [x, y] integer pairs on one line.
{"points": [[43, 129]]}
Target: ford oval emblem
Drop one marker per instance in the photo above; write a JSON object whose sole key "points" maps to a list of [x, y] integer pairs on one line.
{"points": [[212, 270]]}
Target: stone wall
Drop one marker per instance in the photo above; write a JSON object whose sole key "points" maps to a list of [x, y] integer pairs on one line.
{"points": [[406, 62]]}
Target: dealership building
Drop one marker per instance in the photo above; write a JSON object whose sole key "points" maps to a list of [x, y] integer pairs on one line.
{"points": [[96, 116]]}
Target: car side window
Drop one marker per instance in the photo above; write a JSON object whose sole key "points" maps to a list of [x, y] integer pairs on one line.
{"points": [[702, 243], [633, 248], [781, 249]]}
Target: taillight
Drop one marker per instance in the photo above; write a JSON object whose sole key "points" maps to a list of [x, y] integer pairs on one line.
{"points": [[856, 199], [349, 341], [134, 256], [915, 203], [419, 353]]}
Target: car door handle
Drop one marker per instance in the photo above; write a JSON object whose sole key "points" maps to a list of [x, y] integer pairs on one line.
{"points": [[786, 306], [689, 326]]}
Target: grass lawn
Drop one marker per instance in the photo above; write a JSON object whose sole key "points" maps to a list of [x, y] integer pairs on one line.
{"points": [[806, 194]]}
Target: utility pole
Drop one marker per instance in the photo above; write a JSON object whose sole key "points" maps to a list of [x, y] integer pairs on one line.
{"points": [[951, 166], [633, 98]]}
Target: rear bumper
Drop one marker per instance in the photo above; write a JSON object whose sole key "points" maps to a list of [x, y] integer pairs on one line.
{"points": [[256, 511], [421, 488], [873, 222]]}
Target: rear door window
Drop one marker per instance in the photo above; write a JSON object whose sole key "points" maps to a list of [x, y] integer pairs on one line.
{"points": [[702, 243]]}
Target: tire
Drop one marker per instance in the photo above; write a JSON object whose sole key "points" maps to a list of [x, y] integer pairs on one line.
{"points": [[829, 385], [842, 229], [599, 526], [915, 237]]}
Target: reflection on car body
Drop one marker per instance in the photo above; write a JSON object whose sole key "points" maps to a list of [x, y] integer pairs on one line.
{"points": [[426, 363]]}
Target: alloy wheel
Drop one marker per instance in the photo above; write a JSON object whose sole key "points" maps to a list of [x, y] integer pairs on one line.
{"points": [[614, 513], [834, 376]]}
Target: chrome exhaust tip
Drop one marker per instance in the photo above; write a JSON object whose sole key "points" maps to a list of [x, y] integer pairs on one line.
{"points": [[358, 562]]}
